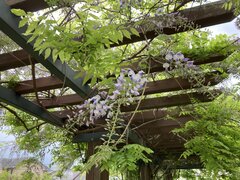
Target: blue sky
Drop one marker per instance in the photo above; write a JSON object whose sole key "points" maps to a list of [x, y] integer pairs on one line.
{"points": [[226, 28], [4, 137]]}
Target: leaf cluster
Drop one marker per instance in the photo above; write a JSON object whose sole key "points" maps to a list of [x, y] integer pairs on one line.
{"points": [[123, 160], [214, 136]]}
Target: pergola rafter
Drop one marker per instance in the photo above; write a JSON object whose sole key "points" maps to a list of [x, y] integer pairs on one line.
{"points": [[168, 101], [201, 16], [27, 5], [52, 82], [149, 103], [155, 63], [159, 124], [20, 58], [42, 84], [15, 59], [167, 85]]}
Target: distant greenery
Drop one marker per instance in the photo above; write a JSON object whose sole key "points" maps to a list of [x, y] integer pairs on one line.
{"points": [[24, 176], [28, 169], [6, 44]]}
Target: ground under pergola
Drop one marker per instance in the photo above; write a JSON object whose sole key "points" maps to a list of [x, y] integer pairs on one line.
{"points": [[149, 125]]}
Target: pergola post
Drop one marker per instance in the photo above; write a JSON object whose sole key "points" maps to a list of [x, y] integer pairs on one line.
{"points": [[145, 172], [168, 175], [95, 173]]}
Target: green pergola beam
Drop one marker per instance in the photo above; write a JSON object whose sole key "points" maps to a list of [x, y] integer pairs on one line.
{"points": [[88, 137], [96, 136], [9, 25], [10, 97]]}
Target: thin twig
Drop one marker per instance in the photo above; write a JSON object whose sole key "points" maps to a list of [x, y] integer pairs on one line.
{"points": [[139, 52], [16, 115], [34, 80], [37, 126], [183, 3]]}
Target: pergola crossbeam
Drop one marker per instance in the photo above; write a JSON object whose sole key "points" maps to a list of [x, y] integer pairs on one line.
{"points": [[202, 16], [42, 84], [156, 63], [166, 85], [20, 58], [88, 137], [168, 101], [151, 88], [96, 136], [28, 5], [15, 59], [146, 119]]}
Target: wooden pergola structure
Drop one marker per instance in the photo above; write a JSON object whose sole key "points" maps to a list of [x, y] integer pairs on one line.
{"points": [[153, 129]]}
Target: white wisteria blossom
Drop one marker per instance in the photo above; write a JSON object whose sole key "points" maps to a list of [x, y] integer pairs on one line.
{"points": [[178, 56], [127, 85], [166, 65], [175, 60], [169, 56]]}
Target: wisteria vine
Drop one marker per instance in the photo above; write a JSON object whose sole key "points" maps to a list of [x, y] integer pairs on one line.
{"points": [[106, 105]]}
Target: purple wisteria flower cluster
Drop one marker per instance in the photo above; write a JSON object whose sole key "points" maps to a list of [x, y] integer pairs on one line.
{"points": [[175, 60], [128, 85]]}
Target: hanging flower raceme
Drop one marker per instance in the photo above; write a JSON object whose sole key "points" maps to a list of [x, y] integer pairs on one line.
{"points": [[128, 85], [176, 60]]}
